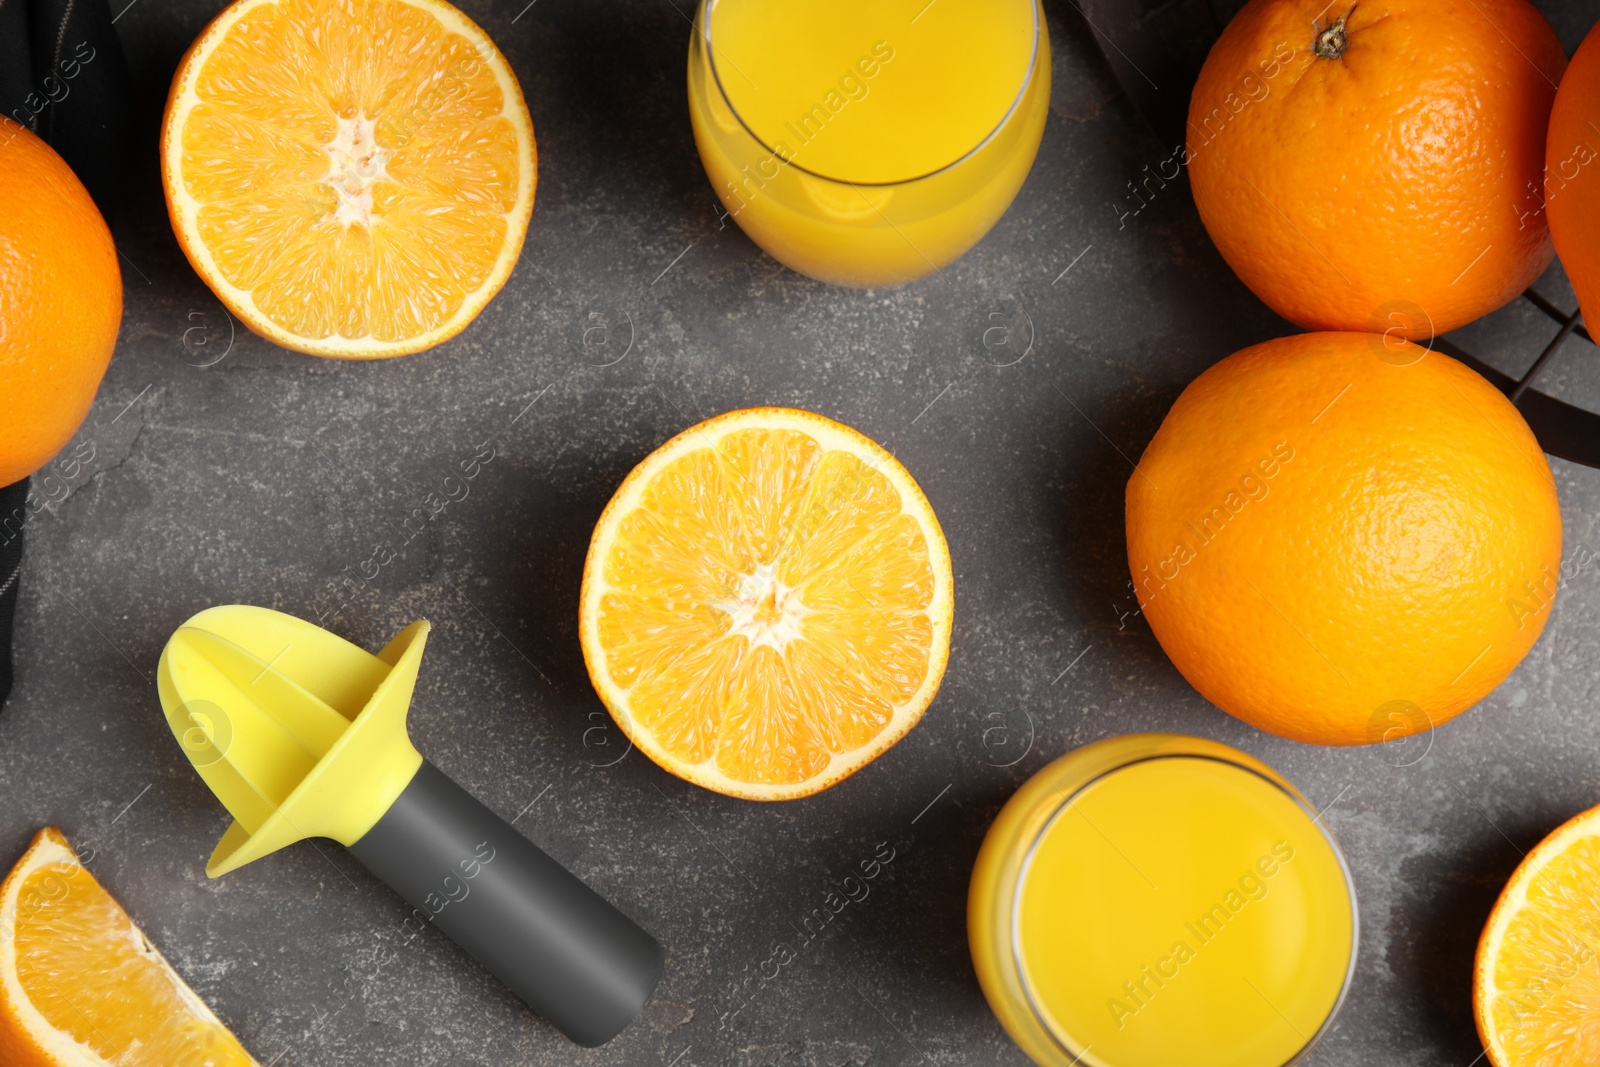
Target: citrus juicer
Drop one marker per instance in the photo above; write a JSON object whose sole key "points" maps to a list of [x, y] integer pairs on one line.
{"points": [[302, 734]]}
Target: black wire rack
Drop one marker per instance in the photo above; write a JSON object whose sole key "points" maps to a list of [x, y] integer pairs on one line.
{"points": [[1168, 39], [1563, 430]]}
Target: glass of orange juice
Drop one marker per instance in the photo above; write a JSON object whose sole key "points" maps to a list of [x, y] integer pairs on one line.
{"points": [[1156, 899], [868, 144]]}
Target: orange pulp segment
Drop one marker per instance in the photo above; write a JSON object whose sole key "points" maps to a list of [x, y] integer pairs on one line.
{"points": [[766, 603], [80, 984], [353, 178], [1536, 986]]}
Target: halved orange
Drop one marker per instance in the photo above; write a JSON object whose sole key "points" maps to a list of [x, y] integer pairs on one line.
{"points": [[80, 984], [1536, 985], [352, 178], [766, 603]]}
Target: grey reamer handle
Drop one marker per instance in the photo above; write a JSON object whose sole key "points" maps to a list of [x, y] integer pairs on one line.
{"points": [[573, 957]]}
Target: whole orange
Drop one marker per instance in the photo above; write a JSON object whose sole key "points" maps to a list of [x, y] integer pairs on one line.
{"points": [[1572, 175], [1376, 166], [1340, 540], [60, 302]]}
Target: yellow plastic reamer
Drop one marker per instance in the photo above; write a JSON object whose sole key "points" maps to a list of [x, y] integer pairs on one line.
{"points": [[297, 731], [302, 734]]}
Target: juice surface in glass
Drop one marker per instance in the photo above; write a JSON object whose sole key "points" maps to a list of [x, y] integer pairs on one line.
{"points": [[868, 143], [1154, 900]]}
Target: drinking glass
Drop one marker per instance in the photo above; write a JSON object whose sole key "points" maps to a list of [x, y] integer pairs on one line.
{"points": [[868, 144]]}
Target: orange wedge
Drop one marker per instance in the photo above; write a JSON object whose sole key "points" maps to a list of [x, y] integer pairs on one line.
{"points": [[352, 178], [766, 603], [1536, 986], [81, 986]]}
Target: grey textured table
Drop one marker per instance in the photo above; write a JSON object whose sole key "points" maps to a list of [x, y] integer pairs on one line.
{"points": [[1014, 388]]}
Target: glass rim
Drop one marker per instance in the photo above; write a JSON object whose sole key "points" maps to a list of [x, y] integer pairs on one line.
{"points": [[1015, 904], [1011, 109]]}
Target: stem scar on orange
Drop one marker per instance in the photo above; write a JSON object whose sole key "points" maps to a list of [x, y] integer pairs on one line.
{"points": [[1342, 538], [1377, 165]]}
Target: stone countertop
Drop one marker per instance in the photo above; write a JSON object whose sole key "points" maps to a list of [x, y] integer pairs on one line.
{"points": [[1014, 385]]}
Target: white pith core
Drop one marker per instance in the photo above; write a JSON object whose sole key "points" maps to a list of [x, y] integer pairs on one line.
{"points": [[765, 611], [355, 163]]}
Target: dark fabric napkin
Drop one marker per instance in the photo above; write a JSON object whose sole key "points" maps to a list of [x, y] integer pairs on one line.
{"points": [[62, 75], [12, 513]]}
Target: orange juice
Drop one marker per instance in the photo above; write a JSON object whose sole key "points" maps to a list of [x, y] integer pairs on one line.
{"points": [[868, 143], [1153, 900]]}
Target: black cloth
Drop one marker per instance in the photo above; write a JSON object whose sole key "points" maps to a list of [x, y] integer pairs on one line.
{"points": [[13, 514], [63, 76]]}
